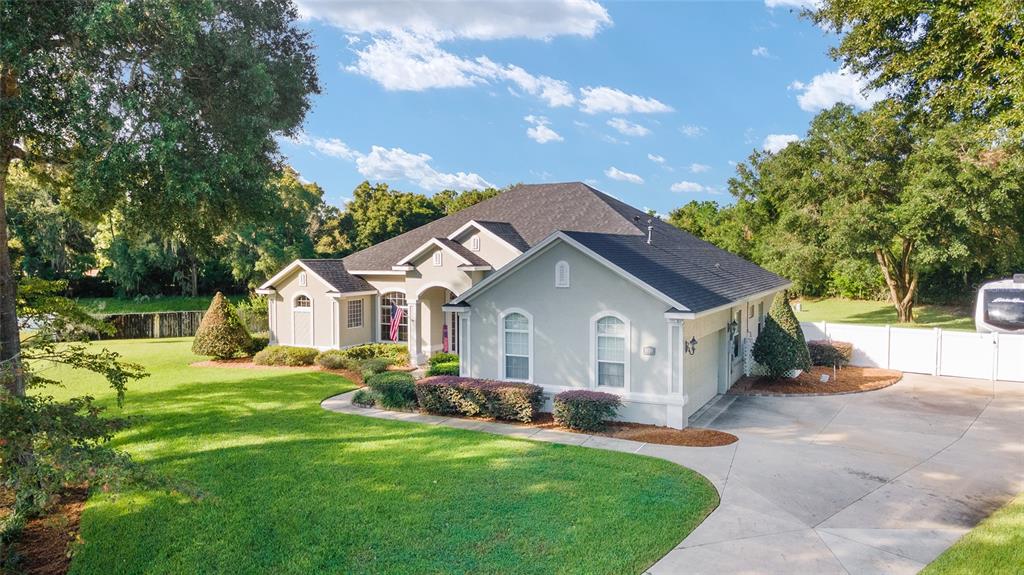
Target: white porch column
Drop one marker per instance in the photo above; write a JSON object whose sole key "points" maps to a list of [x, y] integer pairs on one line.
{"points": [[676, 414], [415, 345]]}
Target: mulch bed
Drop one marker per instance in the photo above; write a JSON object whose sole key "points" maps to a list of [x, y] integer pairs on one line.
{"points": [[846, 380], [688, 437], [43, 546], [246, 363]]}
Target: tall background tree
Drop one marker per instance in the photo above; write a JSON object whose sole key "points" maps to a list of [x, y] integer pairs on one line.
{"points": [[163, 110]]}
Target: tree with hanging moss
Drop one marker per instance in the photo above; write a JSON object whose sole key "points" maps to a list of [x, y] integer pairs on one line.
{"points": [[221, 334], [780, 347]]}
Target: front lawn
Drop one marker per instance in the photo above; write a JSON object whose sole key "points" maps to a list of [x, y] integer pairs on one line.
{"points": [[290, 488], [145, 304], [881, 313], [996, 545]]}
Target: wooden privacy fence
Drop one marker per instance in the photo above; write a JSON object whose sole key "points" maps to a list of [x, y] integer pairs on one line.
{"points": [[154, 325], [996, 356]]}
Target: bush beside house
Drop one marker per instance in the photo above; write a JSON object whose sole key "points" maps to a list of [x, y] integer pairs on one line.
{"points": [[285, 355], [336, 359], [448, 395], [393, 390], [394, 353], [444, 364], [221, 334], [829, 353], [585, 410], [780, 348]]}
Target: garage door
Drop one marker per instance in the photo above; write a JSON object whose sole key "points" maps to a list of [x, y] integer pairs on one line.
{"points": [[701, 377]]}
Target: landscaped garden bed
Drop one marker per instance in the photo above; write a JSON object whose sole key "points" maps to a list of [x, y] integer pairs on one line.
{"points": [[845, 380], [44, 545]]}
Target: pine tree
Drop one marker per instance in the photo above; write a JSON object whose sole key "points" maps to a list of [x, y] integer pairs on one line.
{"points": [[221, 334], [780, 347]]}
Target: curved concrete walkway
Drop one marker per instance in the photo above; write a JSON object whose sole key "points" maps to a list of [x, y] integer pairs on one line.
{"points": [[880, 482]]}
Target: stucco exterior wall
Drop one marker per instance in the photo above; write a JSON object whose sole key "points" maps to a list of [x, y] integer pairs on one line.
{"points": [[562, 325], [493, 251], [350, 336], [323, 311]]}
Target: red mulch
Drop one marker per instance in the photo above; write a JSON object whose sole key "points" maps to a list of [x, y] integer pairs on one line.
{"points": [[846, 380], [43, 546]]}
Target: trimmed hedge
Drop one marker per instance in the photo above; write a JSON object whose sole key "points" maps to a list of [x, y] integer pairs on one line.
{"points": [[336, 359], [394, 389], [585, 410], [825, 352], [364, 397], [370, 367], [286, 355], [780, 347], [220, 333], [258, 343], [449, 395], [444, 368], [442, 357], [394, 353]]}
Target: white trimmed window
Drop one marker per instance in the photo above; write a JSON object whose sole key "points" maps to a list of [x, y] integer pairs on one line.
{"points": [[302, 303], [562, 274], [516, 346], [438, 258], [302, 279], [355, 313], [474, 243], [611, 352]]}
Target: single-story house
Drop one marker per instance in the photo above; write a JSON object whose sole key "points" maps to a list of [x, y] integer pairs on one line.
{"points": [[559, 285]]}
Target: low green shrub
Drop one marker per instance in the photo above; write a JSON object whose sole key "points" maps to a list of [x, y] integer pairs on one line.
{"points": [[443, 357], [445, 368], [447, 395], [394, 353], [370, 367], [393, 389], [285, 355], [364, 397], [258, 342], [829, 353], [336, 359], [585, 410]]}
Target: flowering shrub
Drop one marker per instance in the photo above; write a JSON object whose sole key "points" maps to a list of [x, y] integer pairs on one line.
{"points": [[824, 352], [585, 410], [393, 389], [449, 395]]}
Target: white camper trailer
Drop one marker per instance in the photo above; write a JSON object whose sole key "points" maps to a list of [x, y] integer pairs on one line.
{"points": [[1000, 306]]}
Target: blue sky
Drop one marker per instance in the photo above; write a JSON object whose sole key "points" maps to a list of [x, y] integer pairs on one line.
{"points": [[651, 102]]}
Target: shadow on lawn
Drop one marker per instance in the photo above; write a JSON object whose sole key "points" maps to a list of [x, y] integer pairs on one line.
{"points": [[290, 487]]}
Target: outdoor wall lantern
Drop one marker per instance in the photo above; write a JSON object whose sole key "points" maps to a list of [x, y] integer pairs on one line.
{"points": [[691, 346], [733, 326]]}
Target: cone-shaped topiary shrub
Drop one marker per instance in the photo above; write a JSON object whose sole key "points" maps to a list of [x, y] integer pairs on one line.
{"points": [[221, 334], [780, 347]]}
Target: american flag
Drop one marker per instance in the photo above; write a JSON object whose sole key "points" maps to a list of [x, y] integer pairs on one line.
{"points": [[396, 320]]}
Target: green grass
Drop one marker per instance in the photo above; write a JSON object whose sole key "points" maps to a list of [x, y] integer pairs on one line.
{"points": [[881, 313], [149, 303], [291, 488], [994, 546]]}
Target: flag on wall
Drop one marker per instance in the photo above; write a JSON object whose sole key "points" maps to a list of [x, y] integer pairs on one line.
{"points": [[396, 320], [444, 338]]}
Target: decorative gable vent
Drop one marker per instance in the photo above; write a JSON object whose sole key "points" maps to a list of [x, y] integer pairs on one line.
{"points": [[562, 274], [302, 279], [474, 243]]}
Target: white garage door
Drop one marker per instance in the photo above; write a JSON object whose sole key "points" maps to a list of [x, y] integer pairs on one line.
{"points": [[701, 379]]}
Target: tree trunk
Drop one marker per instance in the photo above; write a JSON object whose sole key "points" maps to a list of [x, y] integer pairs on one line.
{"points": [[10, 342], [900, 278], [194, 283]]}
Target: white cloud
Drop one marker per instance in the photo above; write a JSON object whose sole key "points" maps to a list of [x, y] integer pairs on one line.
{"points": [[775, 142], [540, 132], [604, 99], [693, 131], [798, 4], [617, 174], [760, 52], [393, 164], [827, 89], [555, 92], [477, 20], [627, 128], [699, 168], [685, 186], [656, 158]]}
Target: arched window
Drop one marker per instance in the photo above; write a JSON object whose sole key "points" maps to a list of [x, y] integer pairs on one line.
{"points": [[394, 303], [302, 303], [562, 274], [516, 346], [611, 351]]}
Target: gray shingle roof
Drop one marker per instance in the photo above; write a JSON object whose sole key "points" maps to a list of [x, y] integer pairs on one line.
{"points": [[333, 272], [691, 271]]}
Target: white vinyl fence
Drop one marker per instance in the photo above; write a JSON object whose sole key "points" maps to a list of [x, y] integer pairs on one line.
{"points": [[931, 351]]}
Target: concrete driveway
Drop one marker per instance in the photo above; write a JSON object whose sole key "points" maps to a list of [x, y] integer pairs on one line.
{"points": [[878, 482]]}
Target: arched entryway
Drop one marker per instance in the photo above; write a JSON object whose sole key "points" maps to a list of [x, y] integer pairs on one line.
{"points": [[438, 330]]}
